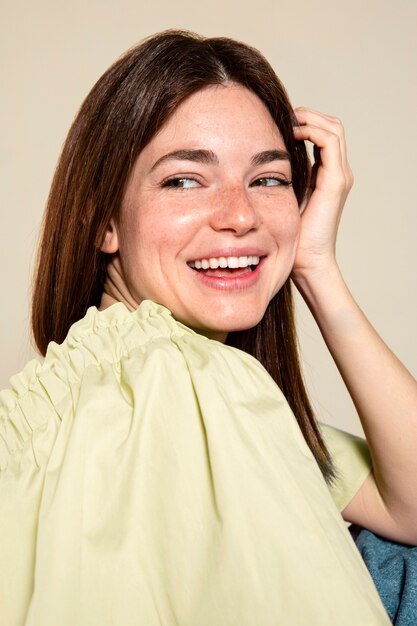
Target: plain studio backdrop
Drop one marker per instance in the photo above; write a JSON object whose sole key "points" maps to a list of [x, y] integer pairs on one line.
{"points": [[355, 60]]}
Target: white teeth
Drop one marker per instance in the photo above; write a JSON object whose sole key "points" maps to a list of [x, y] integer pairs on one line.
{"points": [[232, 262]]}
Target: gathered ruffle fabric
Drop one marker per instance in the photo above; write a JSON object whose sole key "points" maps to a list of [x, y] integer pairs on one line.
{"points": [[150, 476]]}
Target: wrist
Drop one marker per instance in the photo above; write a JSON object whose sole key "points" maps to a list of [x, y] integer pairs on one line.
{"points": [[318, 275], [325, 293]]}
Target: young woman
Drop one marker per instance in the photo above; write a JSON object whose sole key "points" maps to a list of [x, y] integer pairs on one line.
{"points": [[151, 472]]}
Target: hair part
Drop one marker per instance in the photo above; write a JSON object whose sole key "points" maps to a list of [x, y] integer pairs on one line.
{"points": [[125, 109]]}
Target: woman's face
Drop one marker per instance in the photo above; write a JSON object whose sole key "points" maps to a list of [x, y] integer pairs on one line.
{"points": [[209, 222]]}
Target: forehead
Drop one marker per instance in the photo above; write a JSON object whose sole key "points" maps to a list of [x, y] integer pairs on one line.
{"points": [[216, 117]]}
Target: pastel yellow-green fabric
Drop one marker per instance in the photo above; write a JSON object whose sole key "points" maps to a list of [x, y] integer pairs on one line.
{"points": [[352, 462], [153, 477]]}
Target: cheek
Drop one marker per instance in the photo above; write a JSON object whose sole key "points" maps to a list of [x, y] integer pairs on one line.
{"points": [[285, 225], [157, 230], [286, 233]]}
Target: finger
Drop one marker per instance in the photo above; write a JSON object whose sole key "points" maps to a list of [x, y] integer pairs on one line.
{"points": [[306, 112], [327, 142], [310, 116], [309, 132], [315, 118], [333, 124]]}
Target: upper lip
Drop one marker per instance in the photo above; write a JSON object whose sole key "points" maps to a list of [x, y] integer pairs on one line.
{"points": [[228, 252]]}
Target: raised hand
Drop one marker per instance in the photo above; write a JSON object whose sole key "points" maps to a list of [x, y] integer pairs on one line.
{"points": [[384, 393], [330, 182]]}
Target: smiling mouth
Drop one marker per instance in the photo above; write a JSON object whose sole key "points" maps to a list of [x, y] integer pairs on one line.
{"points": [[224, 267]]}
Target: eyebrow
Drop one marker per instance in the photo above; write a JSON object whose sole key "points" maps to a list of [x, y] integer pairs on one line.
{"points": [[267, 156], [208, 157], [198, 156]]}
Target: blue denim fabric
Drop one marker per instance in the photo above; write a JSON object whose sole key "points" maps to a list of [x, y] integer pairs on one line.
{"points": [[393, 567]]}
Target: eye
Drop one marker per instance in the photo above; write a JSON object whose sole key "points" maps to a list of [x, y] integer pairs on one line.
{"points": [[270, 181], [181, 182]]}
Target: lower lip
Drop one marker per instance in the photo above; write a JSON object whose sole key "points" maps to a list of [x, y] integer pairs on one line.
{"points": [[234, 283]]}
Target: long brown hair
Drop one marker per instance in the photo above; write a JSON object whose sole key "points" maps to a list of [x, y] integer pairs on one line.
{"points": [[124, 110]]}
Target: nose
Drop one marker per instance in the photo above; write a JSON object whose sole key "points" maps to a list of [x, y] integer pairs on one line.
{"points": [[234, 210]]}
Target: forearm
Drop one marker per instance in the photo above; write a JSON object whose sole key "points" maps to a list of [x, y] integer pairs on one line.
{"points": [[384, 392]]}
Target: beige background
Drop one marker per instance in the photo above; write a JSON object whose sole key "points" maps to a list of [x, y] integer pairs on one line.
{"points": [[353, 59]]}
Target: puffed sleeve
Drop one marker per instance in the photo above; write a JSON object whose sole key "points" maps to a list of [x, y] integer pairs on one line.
{"points": [[150, 475], [29, 423]]}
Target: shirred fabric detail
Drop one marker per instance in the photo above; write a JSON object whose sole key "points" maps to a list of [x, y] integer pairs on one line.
{"points": [[152, 476]]}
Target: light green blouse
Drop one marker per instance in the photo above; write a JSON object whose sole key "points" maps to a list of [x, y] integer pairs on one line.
{"points": [[152, 477]]}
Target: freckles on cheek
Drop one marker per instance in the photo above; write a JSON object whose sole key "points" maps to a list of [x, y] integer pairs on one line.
{"points": [[184, 218], [176, 229], [295, 223], [287, 223]]}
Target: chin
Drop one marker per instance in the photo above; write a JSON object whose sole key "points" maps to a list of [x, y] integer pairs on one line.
{"points": [[218, 327]]}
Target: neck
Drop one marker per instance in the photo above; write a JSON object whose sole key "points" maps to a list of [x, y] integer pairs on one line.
{"points": [[115, 288]]}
